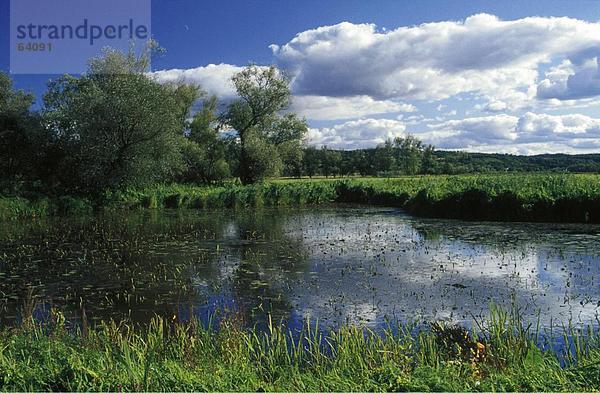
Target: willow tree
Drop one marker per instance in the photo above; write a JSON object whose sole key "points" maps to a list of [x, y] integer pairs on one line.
{"points": [[117, 126], [268, 137], [204, 150]]}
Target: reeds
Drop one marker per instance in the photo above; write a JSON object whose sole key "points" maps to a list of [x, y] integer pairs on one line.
{"points": [[494, 197], [169, 355]]}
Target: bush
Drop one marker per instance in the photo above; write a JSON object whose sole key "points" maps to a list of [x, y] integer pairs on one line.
{"points": [[68, 205]]}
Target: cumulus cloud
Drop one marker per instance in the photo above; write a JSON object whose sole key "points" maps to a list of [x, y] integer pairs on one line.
{"points": [[570, 82], [213, 78], [335, 108], [530, 133], [216, 79], [356, 134], [474, 131], [482, 54], [512, 70], [572, 129]]}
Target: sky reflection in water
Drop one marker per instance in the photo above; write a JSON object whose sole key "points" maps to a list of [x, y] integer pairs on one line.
{"points": [[337, 265]]}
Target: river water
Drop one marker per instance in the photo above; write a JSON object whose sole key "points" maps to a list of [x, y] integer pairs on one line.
{"points": [[341, 264]]}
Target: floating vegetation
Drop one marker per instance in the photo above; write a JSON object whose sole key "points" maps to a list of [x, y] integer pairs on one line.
{"points": [[338, 264]]}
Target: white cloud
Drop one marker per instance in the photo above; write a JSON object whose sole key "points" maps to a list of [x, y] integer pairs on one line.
{"points": [[574, 130], [356, 134], [531, 133], [570, 82], [471, 132], [216, 79], [335, 108], [496, 106], [512, 70], [213, 78], [496, 59]]}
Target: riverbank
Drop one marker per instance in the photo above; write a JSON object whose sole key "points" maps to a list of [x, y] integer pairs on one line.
{"points": [[498, 197], [188, 356]]}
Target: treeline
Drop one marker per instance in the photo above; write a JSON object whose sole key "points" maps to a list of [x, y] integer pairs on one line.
{"points": [[407, 156], [400, 156]]}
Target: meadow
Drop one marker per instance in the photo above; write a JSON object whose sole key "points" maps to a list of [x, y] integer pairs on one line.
{"points": [[493, 197], [501, 354]]}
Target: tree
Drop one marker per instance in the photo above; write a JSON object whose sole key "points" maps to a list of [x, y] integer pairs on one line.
{"points": [[118, 126], [384, 157], [204, 149], [429, 161], [331, 163], [311, 161], [409, 154], [20, 133], [287, 134], [264, 135]]}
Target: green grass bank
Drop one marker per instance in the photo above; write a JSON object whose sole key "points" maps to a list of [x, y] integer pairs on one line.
{"points": [[187, 356], [494, 197]]}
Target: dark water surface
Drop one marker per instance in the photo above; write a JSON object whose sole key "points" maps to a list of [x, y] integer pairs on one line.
{"points": [[359, 265]]}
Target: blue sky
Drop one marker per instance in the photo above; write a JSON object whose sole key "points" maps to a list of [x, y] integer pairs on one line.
{"points": [[479, 76]]}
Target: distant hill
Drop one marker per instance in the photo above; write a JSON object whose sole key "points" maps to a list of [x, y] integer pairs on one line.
{"points": [[460, 162]]}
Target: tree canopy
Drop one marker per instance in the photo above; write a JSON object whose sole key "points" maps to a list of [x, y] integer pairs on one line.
{"points": [[268, 139], [117, 126]]}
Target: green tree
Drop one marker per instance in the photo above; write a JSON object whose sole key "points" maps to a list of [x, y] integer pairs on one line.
{"points": [[384, 157], [204, 150], [331, 163], [287, 134], [409, 154], [311, 161], [266, 138], [429, 163], [118, 126], [21, 136]]}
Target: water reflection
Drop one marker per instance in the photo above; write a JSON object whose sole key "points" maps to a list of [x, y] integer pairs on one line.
{"points": [[338, 265]]}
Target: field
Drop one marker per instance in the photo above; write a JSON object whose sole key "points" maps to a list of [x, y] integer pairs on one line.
{"points": [[189, 356], [495, 197]]}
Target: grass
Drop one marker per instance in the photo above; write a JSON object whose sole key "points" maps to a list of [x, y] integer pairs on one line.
{"points": [[495, 197], [499, 197], [188, 356], [18, 207]]}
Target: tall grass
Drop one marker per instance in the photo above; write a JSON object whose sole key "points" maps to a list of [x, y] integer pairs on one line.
{"points": [[18, 207], [189, 356], [497, 197], [500, 197]]}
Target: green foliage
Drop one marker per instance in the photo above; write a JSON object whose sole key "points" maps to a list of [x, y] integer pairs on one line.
{"points": [[401, 156], [330, 162], [115, 125], [13, 208], [68, 205], [204, 149], [500, 197], [312, 161], [409, 154], [17, 208], [20, 134], [187, 356], [508, 197], [268, 141]]}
